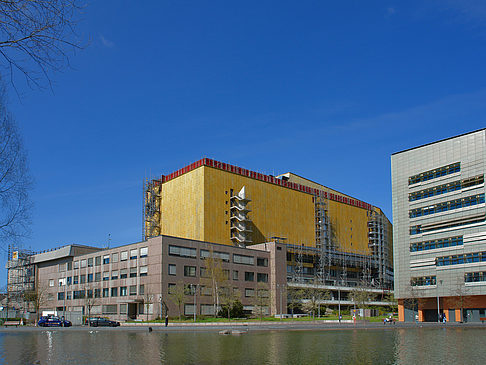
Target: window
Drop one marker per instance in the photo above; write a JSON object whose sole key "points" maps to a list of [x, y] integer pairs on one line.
{"points": [[133, 290], [123, 291], [242, 259], [78, 294], [133, 254], [106, 292], [262, 278], [83, 263], [439, 243], [172, 269], [114, 292], [141, 289], [68, 295], [60, 296], [189, 270], [144, 252], [182, 251], [262, 261], [98, 260], [106, 259], [203, 272], [106, 276], [51, 282], [62, 267], [226, 274], [133, 272], [143, 270], [206, 291], [89, 293], [423, 281], [432, 174], [123, 273], [445, 206], [114, 275], [76, 279], [98, 276], [90, 262], [69, 280], [249, 293], [124, 256], [82, 279], [235, 274], [97, 293], [90, 278], [109, 309], [76, 264], [123, 308], [171, 288], [249, 276], [114, 257], [223, 256], [189, 309], [69, 265]]}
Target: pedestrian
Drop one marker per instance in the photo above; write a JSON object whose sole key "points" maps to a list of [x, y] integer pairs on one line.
{"points": [[166, 320], [340, 317], [444, 319], [384, 321]]}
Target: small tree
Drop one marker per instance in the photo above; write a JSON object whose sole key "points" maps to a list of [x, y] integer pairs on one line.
{"points": [[294, 298], [314, 295], [216, 278], [89, 300], [148, 298], [261, 300], [361, 295], [229, 298], [177, 295], [390, 298], [37, 297]]}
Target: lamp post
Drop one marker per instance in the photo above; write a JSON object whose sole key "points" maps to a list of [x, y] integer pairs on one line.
{"points": [[339, 303], [438, 302], [195, 286]]}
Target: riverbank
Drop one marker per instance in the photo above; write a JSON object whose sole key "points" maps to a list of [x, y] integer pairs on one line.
{"points": [[250, 326]]}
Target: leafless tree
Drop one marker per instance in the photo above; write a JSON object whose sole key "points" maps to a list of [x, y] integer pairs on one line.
{"points": [[15, 181], [215, 278], [37, 297], [294, 298], [90, 300], [261, 300], [36, 37], [148, 299], [314, 295], [177, 295]]}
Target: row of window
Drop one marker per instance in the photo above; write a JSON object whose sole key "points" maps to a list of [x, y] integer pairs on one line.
{"points": [[446, 188], [191, 271], [223, 256], [432, 174], [122, 291], [445, 206], [440, 243], [207, 291], [473, 277], [461, 259], [133, 272], [96, 261], [423, 281], [418, 229]]}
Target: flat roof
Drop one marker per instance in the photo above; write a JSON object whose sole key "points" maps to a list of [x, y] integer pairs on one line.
{"points": [[441, 140]]}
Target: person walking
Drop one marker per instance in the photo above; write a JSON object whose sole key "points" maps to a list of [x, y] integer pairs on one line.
{"points": [[166, 320]]}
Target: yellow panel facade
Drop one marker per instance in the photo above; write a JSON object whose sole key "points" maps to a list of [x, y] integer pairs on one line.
{"points": [[182, 206], [349, 227], [275, 210]]}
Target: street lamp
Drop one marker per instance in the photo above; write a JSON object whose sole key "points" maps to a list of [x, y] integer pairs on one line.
{"points": [[195, 286], [438, 303]]}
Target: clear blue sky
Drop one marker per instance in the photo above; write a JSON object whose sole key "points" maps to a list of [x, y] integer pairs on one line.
{"points": [[327, 90]]}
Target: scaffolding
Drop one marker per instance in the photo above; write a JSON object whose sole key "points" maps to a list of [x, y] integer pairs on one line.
{"points": [[379, 242], [323, 237], [151, 208], [20, 276]]}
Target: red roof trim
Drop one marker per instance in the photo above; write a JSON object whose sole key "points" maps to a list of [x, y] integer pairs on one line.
{"points": [[266, 178]]}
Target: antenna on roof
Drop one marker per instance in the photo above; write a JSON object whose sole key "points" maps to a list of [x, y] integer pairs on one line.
{"points": [[109, 241]]}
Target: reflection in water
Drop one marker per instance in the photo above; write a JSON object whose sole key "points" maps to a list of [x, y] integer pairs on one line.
{"points": [[374, 346]]}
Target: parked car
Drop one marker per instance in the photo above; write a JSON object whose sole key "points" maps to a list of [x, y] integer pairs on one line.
{"points": [[53, 321], [102, 322]]}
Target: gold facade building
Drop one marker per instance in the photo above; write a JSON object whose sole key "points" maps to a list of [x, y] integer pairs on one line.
{"points": [[330, 235]]}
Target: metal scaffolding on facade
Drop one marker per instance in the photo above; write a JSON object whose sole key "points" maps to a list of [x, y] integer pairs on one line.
{"points": [[20, 275], [152, 189]]}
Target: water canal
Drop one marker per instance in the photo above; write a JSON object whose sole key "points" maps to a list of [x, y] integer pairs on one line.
{"points": [[350, 346]]}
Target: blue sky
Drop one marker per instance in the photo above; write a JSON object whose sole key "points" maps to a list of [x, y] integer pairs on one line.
{"points": [[327, 90]]}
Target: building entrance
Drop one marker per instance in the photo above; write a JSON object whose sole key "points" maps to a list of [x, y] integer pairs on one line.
{"points": [[132, 310]]}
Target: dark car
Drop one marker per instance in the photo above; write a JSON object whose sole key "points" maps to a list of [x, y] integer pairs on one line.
{"points": [[102, 322], [53, 321]]}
